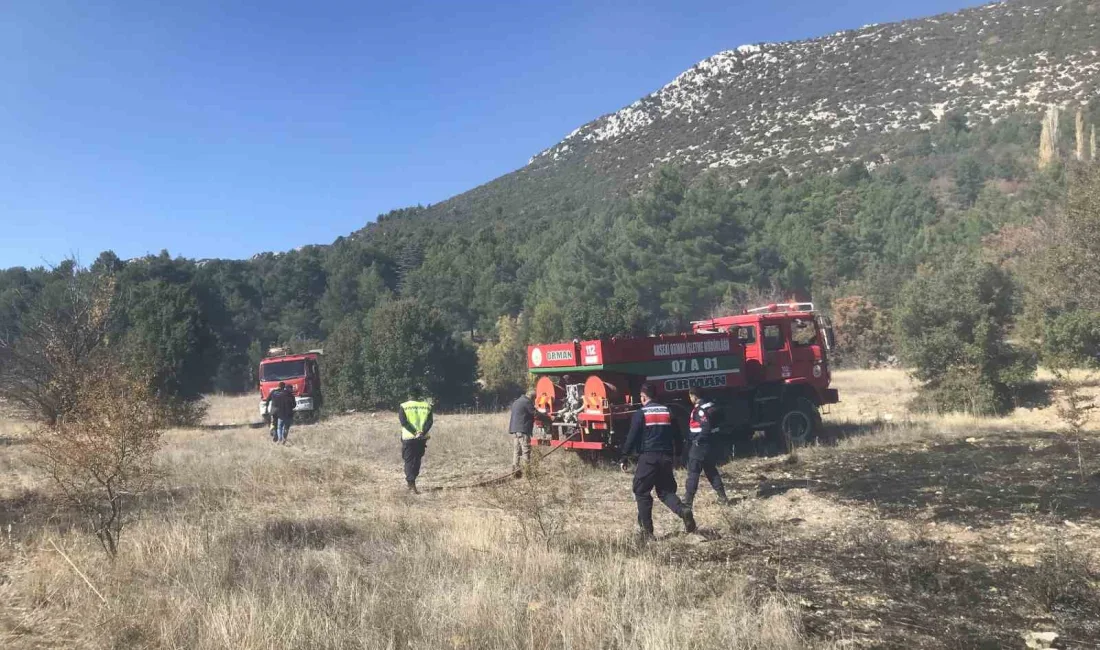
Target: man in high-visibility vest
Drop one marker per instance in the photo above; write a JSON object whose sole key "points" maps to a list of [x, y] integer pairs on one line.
{"points": [[416, 420]]}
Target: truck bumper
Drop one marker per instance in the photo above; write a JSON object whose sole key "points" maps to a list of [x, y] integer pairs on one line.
{"points": [[300, 404], [568, 444]]}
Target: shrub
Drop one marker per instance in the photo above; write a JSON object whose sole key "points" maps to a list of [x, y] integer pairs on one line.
{"points": [[343, 367], [60, 343], [863, 337], [542, 503], [1061, 270], [951, 328], [1072, 339], [409, 350], [503, 363], [100, 454]]}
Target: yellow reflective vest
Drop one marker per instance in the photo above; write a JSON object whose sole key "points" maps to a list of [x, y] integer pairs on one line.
{"points": [[416, 419]]}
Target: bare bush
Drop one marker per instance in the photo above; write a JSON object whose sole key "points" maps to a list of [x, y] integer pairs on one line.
{"points": [[59, 343], [1063, 582], [1074, 409], [100, 454], [541, 502], [863, 337]]}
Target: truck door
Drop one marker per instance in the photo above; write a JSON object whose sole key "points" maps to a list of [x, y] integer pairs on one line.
{"points": [[313, 378], [805, 347], [777, 351], [754, 356]]}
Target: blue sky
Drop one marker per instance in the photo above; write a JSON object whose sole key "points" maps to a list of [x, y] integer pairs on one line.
{"points": [[222, 129]]}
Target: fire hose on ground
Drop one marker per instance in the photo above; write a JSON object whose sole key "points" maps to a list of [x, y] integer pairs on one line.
{"points": [[503, 477]]}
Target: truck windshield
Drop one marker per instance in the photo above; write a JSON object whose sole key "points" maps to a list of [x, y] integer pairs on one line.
{"points": [[281, 370], [803, 332]]}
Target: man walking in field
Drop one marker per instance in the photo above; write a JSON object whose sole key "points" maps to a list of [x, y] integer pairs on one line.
{"points": [[416, 421], [521, 423], [700, 454], [655, 437], [280, 406]]}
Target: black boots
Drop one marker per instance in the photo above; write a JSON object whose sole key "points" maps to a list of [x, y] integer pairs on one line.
{"points": [[411, 487], [689, 519]]}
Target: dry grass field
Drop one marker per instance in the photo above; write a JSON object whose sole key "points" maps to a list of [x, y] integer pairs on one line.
{"points": [[902, 531]]}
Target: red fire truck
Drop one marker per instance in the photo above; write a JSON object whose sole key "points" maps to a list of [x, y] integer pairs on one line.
{"points": [[767, 368], [300, 372]]}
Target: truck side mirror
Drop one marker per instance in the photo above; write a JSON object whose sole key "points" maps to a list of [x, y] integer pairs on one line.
{"points": [[826, 327]]}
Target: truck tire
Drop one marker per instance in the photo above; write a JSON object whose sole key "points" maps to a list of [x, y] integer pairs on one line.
{"points": [[800, 423]]}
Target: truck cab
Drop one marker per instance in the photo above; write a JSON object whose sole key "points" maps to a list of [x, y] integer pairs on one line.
{"points": [[785, 343], [302, 375]]}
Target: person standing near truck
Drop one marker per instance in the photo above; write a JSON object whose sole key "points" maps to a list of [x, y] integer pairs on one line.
{"points": [[521, 424], [700, 453], [416, 420], [656, 438], [280, 406]]}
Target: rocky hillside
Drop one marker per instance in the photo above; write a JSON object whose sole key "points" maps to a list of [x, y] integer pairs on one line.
{"points": [[820, 102]]}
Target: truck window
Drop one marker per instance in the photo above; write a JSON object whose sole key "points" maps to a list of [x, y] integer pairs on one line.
{"points": [[746, 334], [773, 337], [803, 332], [282, 370]]}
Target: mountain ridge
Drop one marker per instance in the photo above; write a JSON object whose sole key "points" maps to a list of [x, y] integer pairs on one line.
{"points": [[745, 111], [889, 69]]}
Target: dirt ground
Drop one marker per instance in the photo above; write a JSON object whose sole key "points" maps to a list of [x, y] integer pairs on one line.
{"points": [[901, 531]]}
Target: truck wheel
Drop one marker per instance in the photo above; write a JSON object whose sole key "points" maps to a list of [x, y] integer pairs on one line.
{"points": [[800, 423]]}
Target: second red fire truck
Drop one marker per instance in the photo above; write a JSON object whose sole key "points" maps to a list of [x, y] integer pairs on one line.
{"points": [[767, 368]]}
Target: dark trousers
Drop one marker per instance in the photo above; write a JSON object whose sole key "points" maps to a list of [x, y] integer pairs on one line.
{"points": [[412, 451], [704, 465], [654, 470]]}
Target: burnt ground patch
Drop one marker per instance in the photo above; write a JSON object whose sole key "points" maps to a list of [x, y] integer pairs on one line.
{"points": [[989, 481], [868, 584], [986, 482]]}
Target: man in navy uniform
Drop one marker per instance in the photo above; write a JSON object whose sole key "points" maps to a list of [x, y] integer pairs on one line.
{"points": [[700, 454], [655, 437]]}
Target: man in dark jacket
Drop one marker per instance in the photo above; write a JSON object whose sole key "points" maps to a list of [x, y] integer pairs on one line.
{"points": [[280, 406], [700, 455], [521, 423], [656, 438]]}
